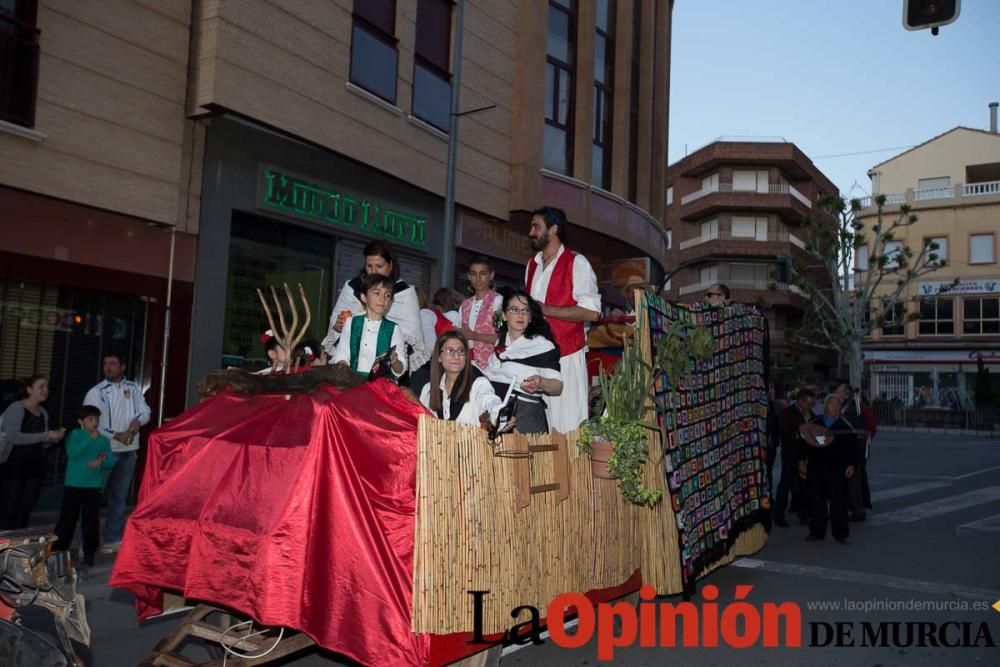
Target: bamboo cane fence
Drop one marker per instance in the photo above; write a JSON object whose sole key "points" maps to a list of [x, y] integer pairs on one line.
{"points": [[479, 528]]}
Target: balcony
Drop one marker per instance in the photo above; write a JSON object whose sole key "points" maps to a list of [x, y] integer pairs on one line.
{"points": [[958, 195], [773, 189], [725, 235], [749, 285], [779, 197]]}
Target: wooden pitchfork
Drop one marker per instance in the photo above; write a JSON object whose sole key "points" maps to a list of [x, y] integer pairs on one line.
{"points": [[289, 337]]}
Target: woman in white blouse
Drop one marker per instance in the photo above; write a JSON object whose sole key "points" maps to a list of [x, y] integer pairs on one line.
{"points": [[458, 391], [525, 362]]}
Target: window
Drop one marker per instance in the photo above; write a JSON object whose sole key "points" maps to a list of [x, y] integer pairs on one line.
{"points": [[18, 61], [711, 183], [935, 182], [757, 275], [937, 317], [709, 275], [750, 181], [633, 104], [891, 249], [861, 258], [710, 230], [895, 316], [431, 75], [981, 249], [981, 316], [557, 152], [749, 228], [670, 195], [374, 58], [940, 252], [604, 65]]}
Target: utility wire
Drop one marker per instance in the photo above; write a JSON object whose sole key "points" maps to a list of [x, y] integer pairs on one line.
{"points": [[877, 150]]}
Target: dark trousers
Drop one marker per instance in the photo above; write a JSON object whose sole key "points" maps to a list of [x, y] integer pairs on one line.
{"points": [[20, 481], [828, 486], [789, 485], [75, 501], [859, 495]]}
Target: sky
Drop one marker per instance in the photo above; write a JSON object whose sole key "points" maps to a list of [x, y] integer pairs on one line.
{"points": [[831, 76]]}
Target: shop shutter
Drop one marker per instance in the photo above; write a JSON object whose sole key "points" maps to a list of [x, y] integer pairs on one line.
{"points": [[350, 262]]}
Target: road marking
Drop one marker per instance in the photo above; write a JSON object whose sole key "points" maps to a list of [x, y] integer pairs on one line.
{"points": [[988, 525], [978, 472], [937, 507], [908, 490], [895, 475], [869, 579]]}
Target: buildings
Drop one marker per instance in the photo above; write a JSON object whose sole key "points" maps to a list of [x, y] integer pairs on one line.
{"points": [[735, 208], [270, 140], [952, 183]]}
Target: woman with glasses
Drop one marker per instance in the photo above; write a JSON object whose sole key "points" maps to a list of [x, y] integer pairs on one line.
{"points": [[458, 391], [525, 362]]}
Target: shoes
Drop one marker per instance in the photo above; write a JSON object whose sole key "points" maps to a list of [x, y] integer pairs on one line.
{"points": [[857, 517], [813, 538], [781, 522], [844, 542], [111, 548]]}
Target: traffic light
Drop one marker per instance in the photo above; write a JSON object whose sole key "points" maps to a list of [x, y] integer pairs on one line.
{"points": [[922, 14]]}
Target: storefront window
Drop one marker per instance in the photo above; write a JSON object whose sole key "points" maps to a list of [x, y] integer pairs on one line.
{"points": [[937, 317], [981, 316], [263, 253]]}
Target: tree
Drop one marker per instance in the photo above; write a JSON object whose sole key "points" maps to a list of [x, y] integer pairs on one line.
{"points": [[844, 304]]}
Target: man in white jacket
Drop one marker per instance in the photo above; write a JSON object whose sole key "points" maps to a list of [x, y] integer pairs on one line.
{"points": [[123, 412]]}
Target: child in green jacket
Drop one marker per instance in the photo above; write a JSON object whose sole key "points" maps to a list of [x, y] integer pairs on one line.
{"points": [[87, 453]]}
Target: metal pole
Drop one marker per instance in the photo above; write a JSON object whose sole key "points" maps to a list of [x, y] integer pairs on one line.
{"points": [[166, 327], [448, 241]]}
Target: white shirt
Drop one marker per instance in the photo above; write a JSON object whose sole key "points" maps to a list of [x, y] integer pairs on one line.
{"points": [[585, 291], [404, 311], [506, 369], [119, 404], [369, 341], [482, 399], [428, 323]]}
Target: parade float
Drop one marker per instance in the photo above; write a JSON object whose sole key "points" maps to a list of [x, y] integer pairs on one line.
{"points": [[329, 511]]}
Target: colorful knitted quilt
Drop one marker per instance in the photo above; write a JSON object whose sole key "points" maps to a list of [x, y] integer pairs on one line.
{"points": [[717, 450]]}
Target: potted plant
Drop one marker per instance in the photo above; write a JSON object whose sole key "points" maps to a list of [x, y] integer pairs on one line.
{"points": [[616, 440]]}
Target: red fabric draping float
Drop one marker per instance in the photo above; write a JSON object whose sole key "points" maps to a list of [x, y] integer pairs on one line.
{"points": [[298, 512]]}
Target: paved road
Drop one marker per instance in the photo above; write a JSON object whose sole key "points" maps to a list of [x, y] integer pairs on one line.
{"points": [[934, 539]]}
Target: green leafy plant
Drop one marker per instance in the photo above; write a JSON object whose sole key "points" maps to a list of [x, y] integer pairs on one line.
{"points": [[626, 396]]}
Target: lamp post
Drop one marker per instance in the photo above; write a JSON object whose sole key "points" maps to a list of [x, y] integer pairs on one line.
{"points": [[448, 254]]}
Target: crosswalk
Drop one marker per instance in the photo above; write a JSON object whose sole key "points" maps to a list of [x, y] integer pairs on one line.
{"points": [[941, 506]]}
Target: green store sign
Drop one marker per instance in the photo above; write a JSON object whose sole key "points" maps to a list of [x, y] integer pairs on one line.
{"points": [[294, 196]]}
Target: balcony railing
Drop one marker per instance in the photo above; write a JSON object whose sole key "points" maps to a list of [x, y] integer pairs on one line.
{"points": [[725, 235], [18, 70], [772, 189], [758, 285], [990, 188]]}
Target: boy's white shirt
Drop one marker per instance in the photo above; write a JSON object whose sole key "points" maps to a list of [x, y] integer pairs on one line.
{"points": [[369, 341]]}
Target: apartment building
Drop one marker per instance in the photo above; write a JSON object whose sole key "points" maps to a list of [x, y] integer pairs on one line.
{"points": [[224, 145], [735, 209], [928, 351]]}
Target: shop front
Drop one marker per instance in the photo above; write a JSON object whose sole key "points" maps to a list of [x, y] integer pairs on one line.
{"points": [[77, 283], [275, 211]]}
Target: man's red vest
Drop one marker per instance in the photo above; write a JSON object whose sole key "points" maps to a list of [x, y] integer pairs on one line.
{"points": [[568, 335]]}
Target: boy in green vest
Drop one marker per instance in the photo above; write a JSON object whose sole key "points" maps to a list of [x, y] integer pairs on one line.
{"points": [[367, 338], [87, 454]]}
